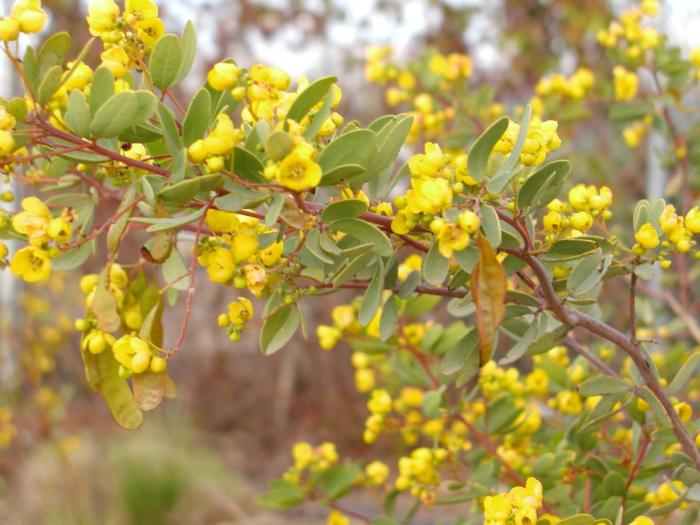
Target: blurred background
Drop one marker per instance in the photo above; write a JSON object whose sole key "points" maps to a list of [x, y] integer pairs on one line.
{"points": [[204, 457]]}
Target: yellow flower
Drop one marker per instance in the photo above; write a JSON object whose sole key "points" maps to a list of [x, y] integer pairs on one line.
{"points": [[244, 246], [497, 509], [7, 142], [272, 254], [220, 265], [337, 518], [136, 12], [429, 196], [692, 220], [79, 78], [102, 16], [256, 278], [32, 264], [452, 238], [626, 83], [133, 353], [240, 311], [647, 237], [221, 221], [343, 316], [9, 29], [116, 60], [298, 171], [30, 16], [33, 221], [642, 520], [376, 473], [223, 75], [328, 336], [59, 230]]}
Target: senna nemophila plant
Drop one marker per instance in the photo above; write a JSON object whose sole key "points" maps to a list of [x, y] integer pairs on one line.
{"points": [[530, 406]]}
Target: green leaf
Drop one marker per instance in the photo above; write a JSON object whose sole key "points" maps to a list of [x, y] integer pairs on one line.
{"points": [[455, 359], [159, 224], [122, 111], [273, 212], [507, 171], [435, 267], [479, 153], [77, 114], [307, 99], [337, 480], [343, 209], [543, 185], [278, 328], [30, 66], [104, 305], [277, 145], [240, 198], [390, 315], [572, 247], [365, 232], [173, 271], [101, 89], [626, 111], [341, 174], [491, 225], [149, 389], [390, 141], [353, 266], [320, 117], [198, 117], [102, 371], [116, 229], [488, 286], [578, 519], [173, 141], [587, 273], [189, 49], [602, 385], [49, 84], [373, 296], [354, 148], [686, 371], [165, 61], [74, 258], [247, 166], [282, 495], [53, 52], [180, 192], [431, 403]]}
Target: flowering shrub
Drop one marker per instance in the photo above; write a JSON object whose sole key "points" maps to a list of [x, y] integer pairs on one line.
{"points": [[529, 406]]}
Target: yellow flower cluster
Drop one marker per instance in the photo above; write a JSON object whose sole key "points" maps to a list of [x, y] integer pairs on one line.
{"points": [[448, 72], [629, 35], [7, 140], [239, 313], [541, 139], [33, 263], [309, 460], [625, 83], [26, 16], [576, 217], [666, 493], [435, 178], [518, 507], [217, 145], [344, 321], [298, 170], [677, 230], [232, 255], [136, 355], [419, 473], [574, 87], [125, 36], [635, 132]]}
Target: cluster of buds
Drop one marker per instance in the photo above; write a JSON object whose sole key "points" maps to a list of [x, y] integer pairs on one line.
{"points": [[574, 87], [575, 217], [628, 35], [239, 312], [677, 230], [541, 139]]}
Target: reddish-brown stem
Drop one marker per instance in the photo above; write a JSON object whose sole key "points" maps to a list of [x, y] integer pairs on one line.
{"points": [[191, 289]]}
